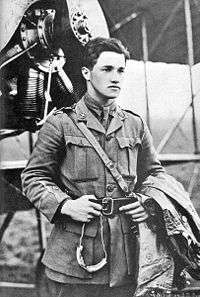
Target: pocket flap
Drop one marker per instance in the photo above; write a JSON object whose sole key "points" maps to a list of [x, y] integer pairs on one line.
{"points": [[80, 141], [128, 142], [76, 227]]}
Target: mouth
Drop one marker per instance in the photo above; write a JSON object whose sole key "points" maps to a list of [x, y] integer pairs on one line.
{"points": [[114, 87]]}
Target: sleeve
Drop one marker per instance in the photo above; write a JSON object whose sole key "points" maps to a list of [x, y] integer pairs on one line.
{"points": [[148, 165], [40, 178]]}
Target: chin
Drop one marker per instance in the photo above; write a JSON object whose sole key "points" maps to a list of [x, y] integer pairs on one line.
{"points": [[112, 95], [107, 97]]}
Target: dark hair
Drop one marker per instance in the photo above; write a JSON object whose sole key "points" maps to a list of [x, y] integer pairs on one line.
{"points": [[96, 46]]}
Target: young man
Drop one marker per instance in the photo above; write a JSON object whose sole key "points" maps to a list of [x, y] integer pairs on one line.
{"points": [[67, 180]]}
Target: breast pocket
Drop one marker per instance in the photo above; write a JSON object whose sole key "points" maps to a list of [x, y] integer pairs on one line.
{"points": [[81, 159], [127, 155]]}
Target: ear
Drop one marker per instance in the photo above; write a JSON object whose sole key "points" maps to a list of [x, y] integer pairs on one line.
{"points": [[86, 73]]}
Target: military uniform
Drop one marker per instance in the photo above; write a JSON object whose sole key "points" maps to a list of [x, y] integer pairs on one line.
{"points": [[64, 165]]}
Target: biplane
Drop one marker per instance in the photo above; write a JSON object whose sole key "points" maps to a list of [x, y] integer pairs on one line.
{"points": [[42, 42]]}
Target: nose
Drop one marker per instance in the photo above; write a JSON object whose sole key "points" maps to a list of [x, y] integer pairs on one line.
{"points": [[115, 78]]}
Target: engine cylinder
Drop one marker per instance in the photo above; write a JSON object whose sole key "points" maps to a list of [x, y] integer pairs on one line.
{"points": [[30, 87]]}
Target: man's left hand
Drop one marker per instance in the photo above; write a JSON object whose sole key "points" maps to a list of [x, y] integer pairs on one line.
{"points": [[136, 211]]}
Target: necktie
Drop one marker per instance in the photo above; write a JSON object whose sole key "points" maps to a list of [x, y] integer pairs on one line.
{"points": [[105, 117]]}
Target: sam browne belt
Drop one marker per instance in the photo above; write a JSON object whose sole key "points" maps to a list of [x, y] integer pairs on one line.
{"points": [[110, 206]]}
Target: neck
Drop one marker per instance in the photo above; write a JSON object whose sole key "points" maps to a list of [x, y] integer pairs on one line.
{"points": [[102, 101]]}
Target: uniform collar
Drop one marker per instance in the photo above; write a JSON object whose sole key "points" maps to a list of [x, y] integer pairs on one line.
{"points": [[85, 115], [95, 107]]}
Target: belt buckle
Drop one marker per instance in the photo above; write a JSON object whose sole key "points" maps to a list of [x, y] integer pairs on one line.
{"points": [[107, 206]]}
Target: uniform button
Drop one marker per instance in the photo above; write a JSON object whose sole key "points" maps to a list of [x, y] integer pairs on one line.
{"points": [[82, 116], [108, 137], [110, 188], [111, 165]]}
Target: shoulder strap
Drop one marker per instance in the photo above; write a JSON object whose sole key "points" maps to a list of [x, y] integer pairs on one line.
{"points": [[107, 162]]}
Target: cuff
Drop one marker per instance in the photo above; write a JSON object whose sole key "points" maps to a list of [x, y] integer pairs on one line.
{"points": [[152, 209], [58, 216]]}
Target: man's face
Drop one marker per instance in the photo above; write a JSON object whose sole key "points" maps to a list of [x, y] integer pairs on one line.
{"points": [[105, 79]]}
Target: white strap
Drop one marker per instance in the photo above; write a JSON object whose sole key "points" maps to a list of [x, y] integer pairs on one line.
{"points": [[79, 250]]}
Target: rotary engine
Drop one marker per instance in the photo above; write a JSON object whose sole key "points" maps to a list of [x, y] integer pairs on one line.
{"points": [[40, 65]]}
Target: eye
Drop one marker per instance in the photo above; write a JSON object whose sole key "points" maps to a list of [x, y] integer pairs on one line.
{"points": [[107, 69], [121, 70]]}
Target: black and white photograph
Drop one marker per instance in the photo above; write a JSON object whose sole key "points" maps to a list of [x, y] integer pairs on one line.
{"points": [[100, 148]]}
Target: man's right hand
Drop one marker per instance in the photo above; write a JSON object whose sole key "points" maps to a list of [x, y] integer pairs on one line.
{"points": [[82, 209]]}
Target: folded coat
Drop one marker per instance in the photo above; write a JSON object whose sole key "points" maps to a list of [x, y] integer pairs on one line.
{"points": [[160, 263]]}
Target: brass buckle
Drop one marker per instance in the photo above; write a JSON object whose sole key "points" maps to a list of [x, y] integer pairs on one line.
{"points": [[107, 206]]}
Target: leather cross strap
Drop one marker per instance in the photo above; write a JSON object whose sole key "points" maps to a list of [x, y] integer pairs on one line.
{"points": [[108, 163], [119, 179]]}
